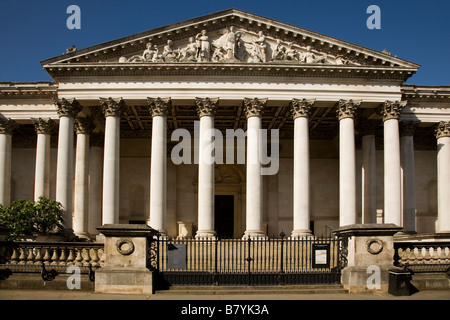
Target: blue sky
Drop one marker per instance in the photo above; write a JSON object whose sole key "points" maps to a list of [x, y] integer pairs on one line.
{"points": [[35, 30]]}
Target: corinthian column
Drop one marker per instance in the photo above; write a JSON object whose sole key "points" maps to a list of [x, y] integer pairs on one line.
{"points": [[254, 109], [392, 171], [347, 166], [158, 170], [443, 172], [84, 127], [206, 109], [67, 111], [112, 110], [300, 112], [42, 173], [6, 129], [368, 171], [407, 158]]}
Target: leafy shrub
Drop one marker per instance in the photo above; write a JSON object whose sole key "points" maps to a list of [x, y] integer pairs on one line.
{"points": [[27, 218]]}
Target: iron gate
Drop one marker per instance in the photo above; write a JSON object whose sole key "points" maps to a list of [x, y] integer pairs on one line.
{"points": [[248, 262]]}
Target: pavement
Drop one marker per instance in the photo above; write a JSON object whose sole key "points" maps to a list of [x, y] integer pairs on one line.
{"points": [[11, 294]]}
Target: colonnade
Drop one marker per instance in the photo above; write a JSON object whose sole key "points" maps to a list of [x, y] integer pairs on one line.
{"points": [[399, 195]]}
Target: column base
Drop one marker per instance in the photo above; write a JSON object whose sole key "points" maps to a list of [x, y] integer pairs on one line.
{"points": [[205, 234], [254, 234], [302, 234]]}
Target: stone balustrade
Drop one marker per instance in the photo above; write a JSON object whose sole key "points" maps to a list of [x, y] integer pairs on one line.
{"points": [[424, 254], [52, 254]]}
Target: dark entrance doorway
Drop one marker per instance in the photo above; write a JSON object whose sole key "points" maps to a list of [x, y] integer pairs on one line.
{"points": [[224, 215]]}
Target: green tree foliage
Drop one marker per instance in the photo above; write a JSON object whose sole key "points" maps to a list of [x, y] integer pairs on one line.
{"points": [[27, 218]]}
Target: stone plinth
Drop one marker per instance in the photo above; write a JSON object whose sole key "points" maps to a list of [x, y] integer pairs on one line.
{"points": [[370, 256], [126, 258]]}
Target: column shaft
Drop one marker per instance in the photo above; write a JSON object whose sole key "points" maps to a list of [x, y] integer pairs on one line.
{"points": [[83, 127], [443, 172], [369, 177], [95, 187], [347, 163], [111, 161], [42, 173], [206, 109], [408, 169], [392, 167], [254, 183], [301, 195], [5, 168], [67, 111]]}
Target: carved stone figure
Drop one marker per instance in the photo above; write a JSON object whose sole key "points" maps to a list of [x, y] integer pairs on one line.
{"points": [[169, 54], [204, 47], [310, 57], [189, 54], [280, 51], [150, 53], [259, 50], [291, 53]]}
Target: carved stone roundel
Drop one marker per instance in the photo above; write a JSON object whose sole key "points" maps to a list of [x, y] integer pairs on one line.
{"points": [[374, 246], [125, 246]]}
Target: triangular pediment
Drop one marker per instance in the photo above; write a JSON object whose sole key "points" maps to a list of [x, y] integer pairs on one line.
{"points": [[230, 37]]}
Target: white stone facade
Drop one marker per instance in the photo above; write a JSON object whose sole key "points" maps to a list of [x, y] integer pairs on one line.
{"points": [[355, 145]]}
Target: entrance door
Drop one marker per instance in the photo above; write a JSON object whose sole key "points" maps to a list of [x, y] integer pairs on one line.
{"points": [[224, 216]]}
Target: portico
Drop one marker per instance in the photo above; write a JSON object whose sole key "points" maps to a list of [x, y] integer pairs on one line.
{"points": [[331, 171]]}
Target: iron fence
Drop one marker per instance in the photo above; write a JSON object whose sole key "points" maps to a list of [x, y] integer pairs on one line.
{"points": [[259, 261]]}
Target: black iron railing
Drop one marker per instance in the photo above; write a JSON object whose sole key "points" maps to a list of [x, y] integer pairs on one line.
{"points": [[258, 261]]}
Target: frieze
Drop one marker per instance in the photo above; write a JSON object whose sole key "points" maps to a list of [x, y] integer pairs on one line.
{"points": [[231, 45]]}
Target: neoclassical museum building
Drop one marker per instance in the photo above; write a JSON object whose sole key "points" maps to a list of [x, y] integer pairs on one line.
{"points": [[229, 125]]}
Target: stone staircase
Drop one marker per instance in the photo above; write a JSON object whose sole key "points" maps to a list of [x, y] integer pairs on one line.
{"points": [[252, 290]]}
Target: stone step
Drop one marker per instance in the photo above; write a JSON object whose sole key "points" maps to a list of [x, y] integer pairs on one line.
{"points": [[248, 290]]}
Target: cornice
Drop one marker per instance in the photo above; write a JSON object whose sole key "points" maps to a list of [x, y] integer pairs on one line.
{"points": [[28, 90], [414, 93], [235, 69]]}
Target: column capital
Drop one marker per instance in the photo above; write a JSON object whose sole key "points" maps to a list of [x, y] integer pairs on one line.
{"points": [[84, 125], [206, 106], [7, 126], [347, 108], [392, 109], [254, 107], [443, 129], [301, 108], [407, 128], [43, 126], [67, 108], [159, 106], [112, 107]]}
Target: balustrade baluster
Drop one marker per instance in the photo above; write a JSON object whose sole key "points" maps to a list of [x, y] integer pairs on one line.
{"points": [[71, 257], [54, 257], [23, 255], [87, 257], [79, 258], [63, 257]]}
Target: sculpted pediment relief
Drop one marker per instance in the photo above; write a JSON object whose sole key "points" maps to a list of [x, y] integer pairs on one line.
{"points": [[228, 37], [232, 45]]}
